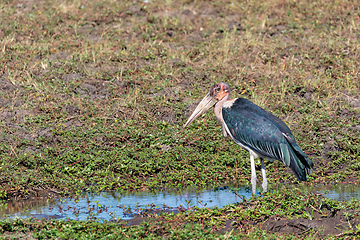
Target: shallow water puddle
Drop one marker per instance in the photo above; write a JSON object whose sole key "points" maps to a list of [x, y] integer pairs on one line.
{"points": [[340, 192], [110, 205]]}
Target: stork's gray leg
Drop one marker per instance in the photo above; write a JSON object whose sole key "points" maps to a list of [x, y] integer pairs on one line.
{"points": [[265, 182], [253, 174]]}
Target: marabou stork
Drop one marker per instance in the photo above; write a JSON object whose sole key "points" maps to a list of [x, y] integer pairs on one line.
{"points": [[256, 130]]}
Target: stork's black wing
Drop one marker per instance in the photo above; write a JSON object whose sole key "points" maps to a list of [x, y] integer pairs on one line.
{"points": [[264, 133]]}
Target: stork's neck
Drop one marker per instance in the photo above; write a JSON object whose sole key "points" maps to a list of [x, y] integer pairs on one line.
{"points": [[218, 112], [219, 106]]}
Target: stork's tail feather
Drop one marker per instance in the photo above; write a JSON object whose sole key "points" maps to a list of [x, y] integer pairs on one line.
{"points": [[300, 163]]}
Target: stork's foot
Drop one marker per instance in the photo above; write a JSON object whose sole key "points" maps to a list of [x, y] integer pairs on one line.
{"points": [[253, 174], [265, 186], [265, 182], [253, 185]]}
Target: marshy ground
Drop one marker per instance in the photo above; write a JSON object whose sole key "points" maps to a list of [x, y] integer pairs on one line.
{"points": [[93, 96]]}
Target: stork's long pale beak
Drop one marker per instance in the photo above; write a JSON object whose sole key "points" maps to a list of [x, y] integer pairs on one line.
{"points": [[206, 103]]}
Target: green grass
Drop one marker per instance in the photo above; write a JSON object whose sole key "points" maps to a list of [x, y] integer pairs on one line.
{"points": [[93, 95]]}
